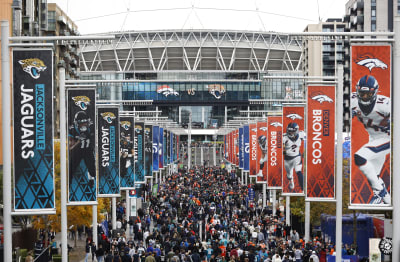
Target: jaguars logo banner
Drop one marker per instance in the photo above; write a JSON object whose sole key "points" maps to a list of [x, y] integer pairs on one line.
{"points": [[127, 153], [81, 121], [148, 151], [33, 131], [371, 113], [293, 148], [139, 152], [108, 150], [321, 143]]}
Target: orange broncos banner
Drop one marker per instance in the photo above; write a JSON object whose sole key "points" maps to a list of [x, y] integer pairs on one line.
{"points": [[293, 148], [321, 142], [275, 158], [370, 178], [253, 150]]}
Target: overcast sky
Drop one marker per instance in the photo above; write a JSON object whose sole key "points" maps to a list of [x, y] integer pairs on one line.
{"points": [[97, 16]]}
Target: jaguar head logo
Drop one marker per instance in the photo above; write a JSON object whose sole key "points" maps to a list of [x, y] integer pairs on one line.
{"points": [[126, 125], [108, 116], [81, 101], [216, 90], [138, 128], [33, 66]]}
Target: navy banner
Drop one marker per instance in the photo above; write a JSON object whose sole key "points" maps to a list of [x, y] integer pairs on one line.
{"points": [[81, 108], [246, 141], [126, 170], [241, 162], [148, 151], [139, 152], [156, 135], [33, 131], [161, 149], [108, 150]]}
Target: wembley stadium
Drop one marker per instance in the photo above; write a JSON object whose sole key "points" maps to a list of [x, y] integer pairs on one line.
{"points": [[214, 75]]}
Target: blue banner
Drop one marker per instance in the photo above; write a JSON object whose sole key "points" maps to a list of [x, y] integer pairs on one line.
{"points": [[148, 148], [156, 135], [246, 140], [161, 149]]}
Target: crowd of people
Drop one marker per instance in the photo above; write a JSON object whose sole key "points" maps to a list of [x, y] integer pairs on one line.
{"points": [[204, 214]]}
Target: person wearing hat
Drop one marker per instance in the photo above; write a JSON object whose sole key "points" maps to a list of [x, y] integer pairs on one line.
{"points": [[314, 257]]}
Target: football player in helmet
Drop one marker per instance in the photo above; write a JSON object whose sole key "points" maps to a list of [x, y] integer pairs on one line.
{"points": [[292, 141], [373, 111], [81, 145], [126, 153], [262, 143]]}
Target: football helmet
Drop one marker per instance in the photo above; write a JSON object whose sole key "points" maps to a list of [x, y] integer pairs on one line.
{"points": [[82, 121], [262, 140], [367, 90], [292, 130]]}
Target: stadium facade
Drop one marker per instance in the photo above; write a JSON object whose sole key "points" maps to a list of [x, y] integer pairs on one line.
{"points": [[215, 75]]}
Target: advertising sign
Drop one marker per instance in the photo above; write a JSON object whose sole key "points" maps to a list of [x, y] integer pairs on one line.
{"points": [[246, 142], [321, 102], [293, 148], [241, 148], [262, 152], [126, 169], [156, 135], [148, 151], [33, 131], [370, 178], [108, 150], [275, 159], [81, 122], [253, 150], [139, 152]]}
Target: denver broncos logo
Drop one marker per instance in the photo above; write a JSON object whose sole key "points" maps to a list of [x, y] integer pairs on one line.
{"points": [[276, 124], [166, 91], [216, 90], [125, 125], [321, 98], [81, 101], [138, 128], [33, 66], [370, 62], [294, 116], [264, 128], [108, 116]]}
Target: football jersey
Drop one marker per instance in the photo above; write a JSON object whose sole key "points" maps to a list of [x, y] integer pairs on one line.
{"points": [[263, 147], [292, 147], [84, 137], [377, 122]]}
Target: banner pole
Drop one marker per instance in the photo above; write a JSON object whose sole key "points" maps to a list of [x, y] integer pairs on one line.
{"points": [[288, 210], [264, 195], [307, 222], [94, 224], [63, 167], [114, 213], [6, 98], [273, 202], [339, 164], [396, 141]]}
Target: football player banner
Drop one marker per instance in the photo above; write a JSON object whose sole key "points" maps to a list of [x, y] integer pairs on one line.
{"points": [[293, 148], [156, 135], [275, 159], [241, 148], [139, 152], [81, 111], [148, 151], [321, 103], [108, 150], [262, 153], [253, 150], [126, 169], [246, 142], [33, 131], [370, 177], [161, 149]]}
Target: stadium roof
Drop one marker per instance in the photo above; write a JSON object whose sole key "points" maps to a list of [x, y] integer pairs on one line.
{"points": [[193, 50]]}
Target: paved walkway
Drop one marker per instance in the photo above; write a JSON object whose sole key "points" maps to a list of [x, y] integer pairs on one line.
{"points": [[77, 253]]}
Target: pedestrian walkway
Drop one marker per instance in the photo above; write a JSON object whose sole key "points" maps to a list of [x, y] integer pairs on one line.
{"points": [[78, 252]]}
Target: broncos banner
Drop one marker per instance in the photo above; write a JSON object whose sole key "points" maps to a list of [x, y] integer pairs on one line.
{"points": [[139, 152], [275, 158], [161, 149], [81, 121], [293, 148], [320, 143], [156, 135], [148, 151], [253, 150], [33, 131], [370, 126], [127, 153], [246, 143], [262, 156], [241, 148], [108, 150]]}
